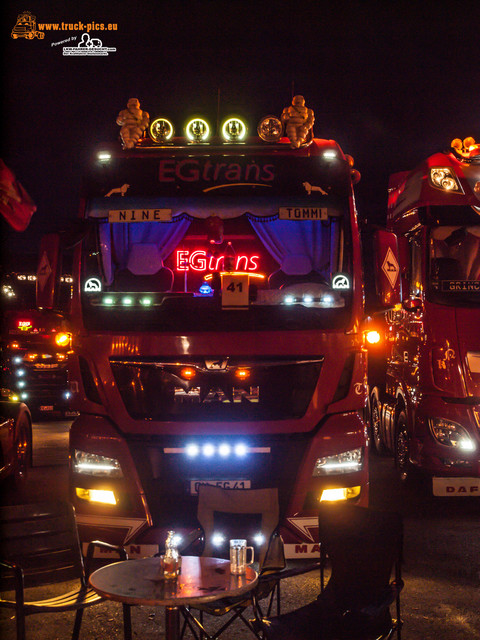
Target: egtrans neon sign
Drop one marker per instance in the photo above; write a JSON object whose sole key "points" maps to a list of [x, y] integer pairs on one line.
{"points": [[200, 260], [195, 170]]}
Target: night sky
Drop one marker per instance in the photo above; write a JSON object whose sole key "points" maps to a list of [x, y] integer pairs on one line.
{"points": [[392, 82]]}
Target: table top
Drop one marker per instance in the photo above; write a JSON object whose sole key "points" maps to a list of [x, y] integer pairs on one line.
{"points": [[140, 582]]}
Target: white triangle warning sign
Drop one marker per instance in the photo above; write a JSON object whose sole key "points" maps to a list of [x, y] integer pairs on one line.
{"points": [[44, 271], [390, 268]]}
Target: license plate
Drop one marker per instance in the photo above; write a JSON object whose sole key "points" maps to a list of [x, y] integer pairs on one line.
{"points": [[456, 487], [224, 484], [46, 407]]}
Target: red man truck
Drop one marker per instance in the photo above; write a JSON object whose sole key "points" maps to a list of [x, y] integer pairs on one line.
{"points": [[425, 385], [216, 331]]}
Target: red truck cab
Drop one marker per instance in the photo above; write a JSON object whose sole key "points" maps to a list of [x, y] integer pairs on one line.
{"points": [[424, 394]]}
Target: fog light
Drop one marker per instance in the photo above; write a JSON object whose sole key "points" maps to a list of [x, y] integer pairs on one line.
{"points": [[344, 493], [96, 495]]}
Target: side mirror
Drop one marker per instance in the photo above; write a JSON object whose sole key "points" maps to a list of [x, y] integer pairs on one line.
{"points": [[387, 268], [48, 271]]}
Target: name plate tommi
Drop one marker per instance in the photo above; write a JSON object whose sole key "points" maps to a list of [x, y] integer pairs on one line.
{"points": [[140, 215], [303, 213]]}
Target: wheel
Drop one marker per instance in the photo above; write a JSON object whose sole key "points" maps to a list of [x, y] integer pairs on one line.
{"points": [[375, 426], [23, 450], [402, 448]]}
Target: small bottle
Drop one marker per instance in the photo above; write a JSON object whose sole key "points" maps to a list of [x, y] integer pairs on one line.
{"points": [[229, 258], [171, 559]]}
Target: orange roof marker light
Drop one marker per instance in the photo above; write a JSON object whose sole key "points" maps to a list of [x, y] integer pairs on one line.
{"points": [[467, 148]]}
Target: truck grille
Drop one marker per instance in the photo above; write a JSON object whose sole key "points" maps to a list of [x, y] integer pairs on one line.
{"points": [[216, 389]]}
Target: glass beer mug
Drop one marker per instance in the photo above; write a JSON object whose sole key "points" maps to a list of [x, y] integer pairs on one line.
{"points": [[238, 556]]}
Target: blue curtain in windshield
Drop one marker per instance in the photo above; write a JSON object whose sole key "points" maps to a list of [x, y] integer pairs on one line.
{"points": [[318, 241], [116, 239]]}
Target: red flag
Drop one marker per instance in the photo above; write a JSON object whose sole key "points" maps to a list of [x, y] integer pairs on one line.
{"points": [[16, 205]]}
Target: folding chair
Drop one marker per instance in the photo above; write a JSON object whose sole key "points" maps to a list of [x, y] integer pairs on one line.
{"points": [[252, 514], [39, 545], [363, 548]]}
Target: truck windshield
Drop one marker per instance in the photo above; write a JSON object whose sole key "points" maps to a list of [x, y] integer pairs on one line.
{"points": [[247, 270], [454, 265]]}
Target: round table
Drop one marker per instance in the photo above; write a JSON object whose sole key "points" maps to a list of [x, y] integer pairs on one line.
{"points": [[139, 582]]}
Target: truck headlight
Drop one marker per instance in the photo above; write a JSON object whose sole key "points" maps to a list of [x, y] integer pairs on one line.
{"points": [[93, 464], [346, 462], [451, 434], [445, 178]]}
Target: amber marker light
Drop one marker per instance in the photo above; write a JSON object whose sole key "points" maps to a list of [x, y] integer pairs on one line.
{"points": [[188, 373], [242, 374], [62, 339], [372, 337], [102, 496]]}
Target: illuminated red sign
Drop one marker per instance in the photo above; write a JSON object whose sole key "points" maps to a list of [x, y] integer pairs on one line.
{"points": [[24, 324], [199, 260], [196, 170]]}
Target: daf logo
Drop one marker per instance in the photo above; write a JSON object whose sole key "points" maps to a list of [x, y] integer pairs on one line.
{"points": [[92, 284]]}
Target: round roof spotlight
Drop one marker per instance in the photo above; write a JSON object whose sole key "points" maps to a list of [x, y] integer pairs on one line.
{"points": [[234, 130], [197, 130], [270, 129], [161, 130]]}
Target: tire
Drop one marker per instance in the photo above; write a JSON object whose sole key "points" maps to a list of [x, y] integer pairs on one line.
{"points": [[378, 445], [402, 448]]}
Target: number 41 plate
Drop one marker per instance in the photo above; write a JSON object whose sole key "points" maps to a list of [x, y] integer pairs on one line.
{"points": [[224, 484], [235, 290]]}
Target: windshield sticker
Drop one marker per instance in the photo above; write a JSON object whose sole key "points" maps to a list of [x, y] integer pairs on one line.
{"points": [[92, 284], [120, 190], [390, 268], [341, 281], [309, 188]]}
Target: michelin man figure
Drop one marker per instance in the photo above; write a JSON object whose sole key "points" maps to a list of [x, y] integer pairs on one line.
{"points": [[133, 121], [298, 121]]}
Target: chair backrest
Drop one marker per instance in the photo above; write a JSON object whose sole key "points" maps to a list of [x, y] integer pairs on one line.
{"points": [[42, 538], [363, 546], [236, 513]]}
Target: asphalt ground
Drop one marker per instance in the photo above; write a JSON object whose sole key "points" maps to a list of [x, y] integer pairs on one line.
{"points": [[440, 600]]}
